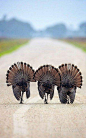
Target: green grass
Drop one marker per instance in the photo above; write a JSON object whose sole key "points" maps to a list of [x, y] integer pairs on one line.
{"points": [[9, 45], [78, 42]]}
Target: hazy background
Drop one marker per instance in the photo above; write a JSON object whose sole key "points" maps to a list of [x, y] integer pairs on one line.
{"points": [[42, 18]]}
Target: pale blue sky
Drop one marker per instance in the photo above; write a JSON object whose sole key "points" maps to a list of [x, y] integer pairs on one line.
{"points": [[43, 13]]}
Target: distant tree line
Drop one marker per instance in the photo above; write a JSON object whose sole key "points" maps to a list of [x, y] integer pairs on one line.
{"points": [[14, 28]]}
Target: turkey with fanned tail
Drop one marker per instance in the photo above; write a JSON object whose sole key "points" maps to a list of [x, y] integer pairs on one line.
{"points": [[19, 76], [47, 77], [71, 78]]}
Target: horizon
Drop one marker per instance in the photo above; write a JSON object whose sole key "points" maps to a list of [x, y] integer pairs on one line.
{"points": [[68, 27], [42, 14]]}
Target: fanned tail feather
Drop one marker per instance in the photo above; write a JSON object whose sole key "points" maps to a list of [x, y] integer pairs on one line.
{"points": [[19, 71], [47, 72], [70, 75]]}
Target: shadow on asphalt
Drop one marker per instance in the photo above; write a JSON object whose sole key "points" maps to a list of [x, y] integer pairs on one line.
{"points": [[11, 104]]}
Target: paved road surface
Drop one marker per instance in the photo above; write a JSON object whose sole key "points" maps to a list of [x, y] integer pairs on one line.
{"points": [[35, 119]]}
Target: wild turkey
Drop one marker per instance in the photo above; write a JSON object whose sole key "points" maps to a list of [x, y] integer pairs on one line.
{"points": [[47, 77], [19, 76], [71, 78]]}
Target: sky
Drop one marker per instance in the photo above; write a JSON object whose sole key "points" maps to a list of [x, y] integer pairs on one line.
{"points": [[43, 13]]}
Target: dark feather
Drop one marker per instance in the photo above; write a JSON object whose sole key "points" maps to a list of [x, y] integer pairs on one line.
{"points": [[17, 92], [41, 90], [51, 93], [72, 94], [62, 95], [28, 91]]}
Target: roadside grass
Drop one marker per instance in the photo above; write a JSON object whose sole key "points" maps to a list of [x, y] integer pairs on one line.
{"points": [[9, 45], [78, 42]]}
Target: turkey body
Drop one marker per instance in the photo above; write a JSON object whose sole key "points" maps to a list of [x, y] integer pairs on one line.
{"points": [[66, 95], [45, 89], [47, 77], [70, 79], [19, 76], [20, 88]]}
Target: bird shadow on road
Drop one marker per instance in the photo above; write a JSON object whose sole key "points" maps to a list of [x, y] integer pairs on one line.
{"points": [[49, 104]]}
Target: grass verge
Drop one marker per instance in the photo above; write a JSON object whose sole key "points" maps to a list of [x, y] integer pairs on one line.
{"points": [[9, 45], [78, 42]]}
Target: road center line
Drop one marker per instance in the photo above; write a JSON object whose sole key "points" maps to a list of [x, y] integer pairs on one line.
{"points": [[19, 124]]}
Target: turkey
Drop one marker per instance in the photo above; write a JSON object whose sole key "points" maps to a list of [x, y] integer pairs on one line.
{"points": [[47, 77], [71, 78], [19, 76]]}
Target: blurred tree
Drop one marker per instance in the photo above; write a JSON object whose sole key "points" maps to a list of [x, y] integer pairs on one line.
{"points": [[4, 17], [83, 27]]}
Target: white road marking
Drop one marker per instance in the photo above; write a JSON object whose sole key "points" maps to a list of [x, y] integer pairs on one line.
{"points": [[19, 124]]}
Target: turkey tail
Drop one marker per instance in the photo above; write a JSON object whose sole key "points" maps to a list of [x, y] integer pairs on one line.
{"points": [[19, 71], [47, 72], [70, 75]]}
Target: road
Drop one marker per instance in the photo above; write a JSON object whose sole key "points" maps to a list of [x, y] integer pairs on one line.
{"points": [[34, 119]]}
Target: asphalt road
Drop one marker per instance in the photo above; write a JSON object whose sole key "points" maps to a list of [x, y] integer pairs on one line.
{"points": [[34, 119]]}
